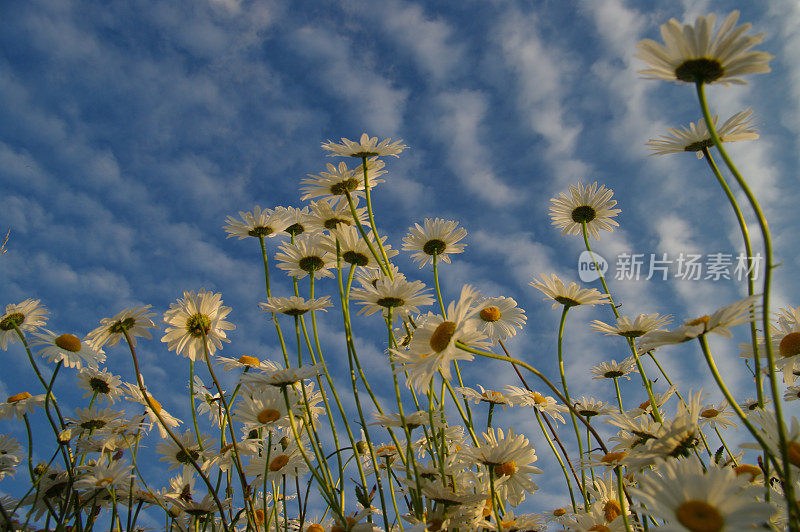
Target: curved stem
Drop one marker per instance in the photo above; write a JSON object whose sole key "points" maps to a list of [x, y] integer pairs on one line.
{"points": [[368, 196]]}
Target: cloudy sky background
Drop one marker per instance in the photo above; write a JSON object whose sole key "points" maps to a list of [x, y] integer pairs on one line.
{"points": [[129, 132]]}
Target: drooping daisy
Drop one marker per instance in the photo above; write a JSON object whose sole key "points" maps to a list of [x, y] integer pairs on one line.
{"points": [[435, 237], [641, 325], [365, 147], [420, 418], [695, 137], [134, 320], [499, 317], [294, 305], [27, 315], [434, 344], [304, 257], [717, 323], [588, 204], [11, 454], [282, 377], [569, 296], [689, 498], [246, 361], [398, 294], [20, 404], [354, 250], [509, 455], [485, 396], [67, 348], [693, 54], [103, 475], [259, 223], [152, 407], [614, 369], [191, 318]]}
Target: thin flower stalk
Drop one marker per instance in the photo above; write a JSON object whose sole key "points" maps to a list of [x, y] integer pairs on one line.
{"points": [[371, 215], [384, 269]]}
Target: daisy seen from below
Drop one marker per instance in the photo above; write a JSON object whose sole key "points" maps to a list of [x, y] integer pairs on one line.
{"points": [[27, 315], [338, 181], [499, 317], [694, 54], [103, 475], [401, 296], [134, 320], [689, 498], [324, 216], [262, 409], [259, 223], [641, 325], [305, 256], [153, 409], [509, 456], [354, 250], [517, 396], [695, 137], [281, 377], [569, 296], [298, 220], [717, 323], [20, 404], [587, 205], [67, 348], [485, 396], [365, 147], [295, 305], [614, 369], [433, 346], [191, 319], [434, 238]]}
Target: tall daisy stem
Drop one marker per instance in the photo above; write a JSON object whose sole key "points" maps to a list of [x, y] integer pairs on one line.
{"points": [[368, 196], [794, 511]]}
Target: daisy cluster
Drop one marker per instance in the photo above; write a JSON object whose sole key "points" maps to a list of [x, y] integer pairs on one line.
{"points": [[426, 461]]}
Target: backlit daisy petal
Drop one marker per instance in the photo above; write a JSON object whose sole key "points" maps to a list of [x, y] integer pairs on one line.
{"points": [[326, 217], [398, 294], [365, 147], [28, 315], [614, 369], [68, 349], [259, 223], [569, 296], [353, 249], [434, 237], [695, 137], [588, 204], [334, 184], [690, 55], [96, 381], [641, 325], [499, 317], [298, 220], [305, 256], [294, 305], [192, 316], [134, 320]]}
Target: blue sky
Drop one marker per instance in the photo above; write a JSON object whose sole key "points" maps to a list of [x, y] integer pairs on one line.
{"points": [[129, 132]]}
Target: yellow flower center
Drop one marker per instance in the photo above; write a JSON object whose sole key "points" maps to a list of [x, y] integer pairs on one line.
{"points": [[644, 405], [349, 522], [198, 324], [748, 469], [441, 337], [508, 525], [539, 399], [505, 469], [611, 510], [278, 462], [268, 415], [558, 512], [490, 313], [17, 397], [315, 528], [386, 450], [249, 361], [610, 458], [790, 345], [103, 482], [600, 528], [699, 516], [709, 413], [70, 342], [702, 320], [794, 453], [155, 405]]}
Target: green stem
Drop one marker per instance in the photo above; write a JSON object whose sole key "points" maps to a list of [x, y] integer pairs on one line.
{"points": [[191, 404], [560, 461], [368, 196], [619, 395]]}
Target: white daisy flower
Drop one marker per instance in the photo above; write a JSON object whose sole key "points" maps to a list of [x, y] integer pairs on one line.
{"points": [[511, 523], [246, 361], [420, 418], [499, 317], [20, 404], [436, 237], [717, 323], [365, 147], [354, 250], [294, 305], [264, 408], [94, 419], [517, 396], [695, 137], [327, 217], [298, 220], [67, 348], [278, 461], [259, 223], [134, 320], [641, 325], [11, 454], [694, 54], [208, 403], [588, 204], [334, 184], [27, 315], [192, 317], [105, 475], [485, 396], [398, 294], [718, 415], [282, 377], [590, 407], [614, 369], [569, 296], [152, 407], [172, 453], [305, 256], [689, 498]]}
